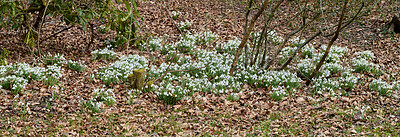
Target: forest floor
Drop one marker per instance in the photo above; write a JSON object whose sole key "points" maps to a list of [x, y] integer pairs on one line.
{"points": [[58, 111]]}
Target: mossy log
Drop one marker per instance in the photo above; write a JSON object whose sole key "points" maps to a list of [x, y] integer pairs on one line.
{"points": [[136, 79]]}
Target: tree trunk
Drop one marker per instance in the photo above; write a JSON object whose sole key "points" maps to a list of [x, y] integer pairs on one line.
{"points": [[136, 79], [246, 36], [394, 25]]}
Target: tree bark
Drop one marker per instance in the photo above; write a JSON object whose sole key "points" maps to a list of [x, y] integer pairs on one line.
{"points": [[246, 36], [394, 25], [330, 44], [136, 79]]}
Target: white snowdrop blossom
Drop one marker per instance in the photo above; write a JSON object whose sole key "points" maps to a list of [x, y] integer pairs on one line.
{"points": [[230, 46], [381, 86], [305, 66], [205, 38], [103, 53], [277, 93], [184, 24], [362, 64], [348, 80], [154, 44], [297, 41], [27, 71], [104, 95], [322, 85], [176, 14], [308, 51], [274, 37], [120, 69], [54, 71], [333, 67], [368, 55], [13, 83], [54, 59], [287, 51]]}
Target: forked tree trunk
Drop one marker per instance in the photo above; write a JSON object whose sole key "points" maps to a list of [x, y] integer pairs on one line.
{"points": [[246, 36]]}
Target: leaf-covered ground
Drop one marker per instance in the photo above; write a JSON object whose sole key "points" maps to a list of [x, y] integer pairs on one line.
{"points": [[43, 110]]}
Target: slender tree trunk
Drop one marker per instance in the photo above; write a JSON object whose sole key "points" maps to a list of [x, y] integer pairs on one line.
{"points": [[330, 43], [246, 36]]}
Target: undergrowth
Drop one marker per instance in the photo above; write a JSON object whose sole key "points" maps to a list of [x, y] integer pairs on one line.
{"points": [[189, 68]]}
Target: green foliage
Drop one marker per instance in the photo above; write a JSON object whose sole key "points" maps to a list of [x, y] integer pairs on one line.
{"points": [[120, 69], [184, 25], [55, 59], [381, 87], [104, 54], [20, 15], [4, 57], [104, 95], [13, 83], [172, 57], [233, 97], [277, 93], [274, 116], [75, 65], [92, 106], [175, 14], [50, 81], [132, 94]]}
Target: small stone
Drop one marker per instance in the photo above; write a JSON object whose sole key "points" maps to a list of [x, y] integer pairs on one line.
{"points": [[185, 125], [300, 100], [345, 99]]}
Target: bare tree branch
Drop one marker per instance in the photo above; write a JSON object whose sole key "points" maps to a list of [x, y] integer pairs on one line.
{"points": [[315, 35], [246, 36], [330, 43], [264, 33], [298, 49], [287, 39]]}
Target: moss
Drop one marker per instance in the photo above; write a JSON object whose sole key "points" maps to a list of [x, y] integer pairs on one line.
{"points": [[136, 79]]}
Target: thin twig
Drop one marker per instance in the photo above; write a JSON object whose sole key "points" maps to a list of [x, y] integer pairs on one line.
{"points": [[298, 49], [246, 36], [287, 39], [170, 17], [318, 33], [347, 23], [41, 23], [166, 71], [67, 28], [264, 33], [330, 44], [247, 15], [7, 73]]}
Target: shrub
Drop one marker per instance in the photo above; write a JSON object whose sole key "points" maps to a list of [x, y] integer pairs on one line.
{"points": [[29, 16]]}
